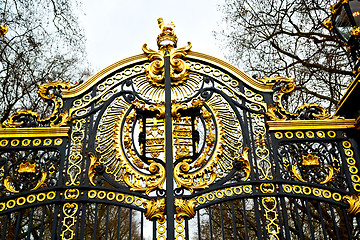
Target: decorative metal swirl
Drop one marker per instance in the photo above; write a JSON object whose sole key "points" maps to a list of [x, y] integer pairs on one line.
{"points": [[125, 166], [58, 117], [179, 71], [284, 87], [28, 170]]}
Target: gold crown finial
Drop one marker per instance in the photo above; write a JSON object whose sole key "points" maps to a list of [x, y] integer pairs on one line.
{"points": [[167, 35], [27, 168]]}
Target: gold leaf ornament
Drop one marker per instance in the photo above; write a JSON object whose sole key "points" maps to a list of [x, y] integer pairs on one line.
{"points": [[354, 204], [155, 209], [185, 208], [167, 40]]}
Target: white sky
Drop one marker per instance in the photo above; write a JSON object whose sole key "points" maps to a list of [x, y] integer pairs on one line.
{"points": [[116, 29]]}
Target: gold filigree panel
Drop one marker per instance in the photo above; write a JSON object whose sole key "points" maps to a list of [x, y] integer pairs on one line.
{"points": [[131, 143]]}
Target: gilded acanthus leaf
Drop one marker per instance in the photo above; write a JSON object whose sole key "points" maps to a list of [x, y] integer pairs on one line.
{"points": [[155, 209], [354, 204], [185, 208]]}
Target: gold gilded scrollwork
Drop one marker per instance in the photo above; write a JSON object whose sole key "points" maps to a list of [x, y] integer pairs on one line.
{"points": [[312, 161], [354, 204], [155, 209], [8, 183], [328, 24], [279, 113], [133, 178], [271, 216], [69, 221], [262, 150], [222, 144], [3, 30], [198, 180], [244, 160], [92, 167], [179, 70], [185, 208], [59, 117], [115, 148], [75, 157]]}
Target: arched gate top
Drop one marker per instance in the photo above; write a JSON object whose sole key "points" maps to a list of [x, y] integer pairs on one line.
{"points": [[142, 58]]}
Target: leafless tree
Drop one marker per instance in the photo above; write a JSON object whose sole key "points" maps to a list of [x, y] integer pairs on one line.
{"points": [[288, 38], [44, 43]]}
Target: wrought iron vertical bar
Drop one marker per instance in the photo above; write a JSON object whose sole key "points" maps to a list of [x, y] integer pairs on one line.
{"points": [[30, 223], [210, 223], [42, 223], [258, 218], [199, 225], [169, 154], [83, 221], [154, 230], [142, 226], [119, 223], [285, 216], [334, 222], [298, 220], [245, 220], [263, 218], [187, 229], [18, 221], [222, 221], [347, 224], [130, 223], [309, 219], [77, 223], [280, 217], [107, 222], [5, 226], [233, 219], [322, 221], [95, 221], [56, 230]]}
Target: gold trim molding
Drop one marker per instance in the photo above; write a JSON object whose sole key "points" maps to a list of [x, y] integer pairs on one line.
{"points": [[34, 132], [311, 124], [256, 84], [191, 55], [93, 80]]}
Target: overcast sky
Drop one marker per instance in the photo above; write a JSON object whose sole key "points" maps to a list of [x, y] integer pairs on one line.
{"points": [[116, 29]]}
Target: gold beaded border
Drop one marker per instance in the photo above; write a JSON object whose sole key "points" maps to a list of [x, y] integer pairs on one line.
{"points": [[114, 196], [31, 198], [4, 143], [301, 135]]}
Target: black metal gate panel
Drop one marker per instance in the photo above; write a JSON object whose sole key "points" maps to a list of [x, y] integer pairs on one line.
{"points": [[175, 144]]}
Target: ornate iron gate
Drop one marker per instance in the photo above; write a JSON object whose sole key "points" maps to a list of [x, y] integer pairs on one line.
{"points": [[174, 144]]}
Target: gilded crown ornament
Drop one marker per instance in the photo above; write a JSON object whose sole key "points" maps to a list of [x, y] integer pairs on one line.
{"points": [[27, 168], [167, 35]]}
